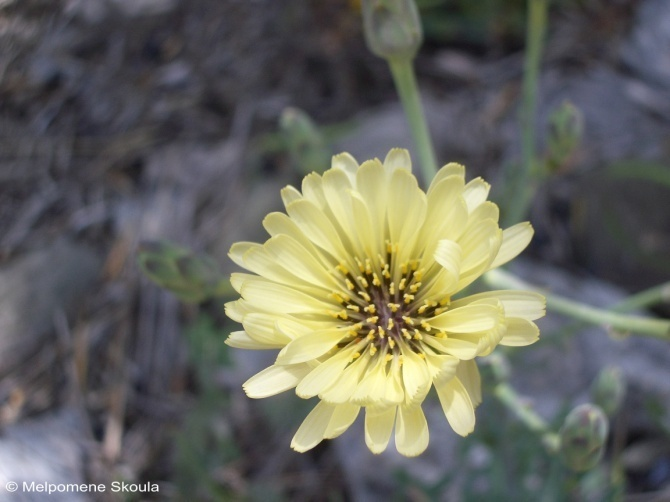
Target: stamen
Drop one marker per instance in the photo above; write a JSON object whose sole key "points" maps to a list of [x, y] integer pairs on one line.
{"points": [[368, 266], [342, 268]]}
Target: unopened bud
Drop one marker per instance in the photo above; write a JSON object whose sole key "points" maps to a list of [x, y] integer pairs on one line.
{"points": [[566, 130], [392, 28], [608, 390], [304, 141], [190, 277], [583, 437]]}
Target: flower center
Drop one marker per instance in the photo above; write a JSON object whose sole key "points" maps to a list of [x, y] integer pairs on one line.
{"points": [[384, 305]]}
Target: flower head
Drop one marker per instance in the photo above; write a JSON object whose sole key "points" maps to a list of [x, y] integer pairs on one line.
{"points": [[356, 286]]}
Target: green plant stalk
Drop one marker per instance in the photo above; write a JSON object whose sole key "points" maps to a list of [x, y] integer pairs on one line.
{"points": [[522, 179], [524, 412], [647, 298], [656, 328], [408, 90]]}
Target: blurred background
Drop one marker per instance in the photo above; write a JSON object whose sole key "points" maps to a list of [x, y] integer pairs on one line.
{"points": [[124, 121]]}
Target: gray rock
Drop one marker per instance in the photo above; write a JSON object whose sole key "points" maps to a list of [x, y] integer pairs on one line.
{"points": [[33, 289]]}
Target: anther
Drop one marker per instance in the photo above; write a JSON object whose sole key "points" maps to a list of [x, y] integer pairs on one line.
{"points": [[392, 288], [365, 296], [355, 308], [402, 284], [342, 268], [408, 320], [373, 319], [408, 298], [415, 287], [393, 306], [389, 325], [375, 280], [370, 308], [350, 285], [363, 281], [405, 333]]}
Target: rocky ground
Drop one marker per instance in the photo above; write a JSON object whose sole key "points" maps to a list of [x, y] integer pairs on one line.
{"points": [[123, 121]]}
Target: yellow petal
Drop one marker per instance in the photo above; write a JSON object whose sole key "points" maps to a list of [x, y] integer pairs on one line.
{"points": [[411, 431], [372, 388], [415, 376], [290, 194], [313, 428], [347, 382], [372, 185], [515, 240], [462, 349], [449, 255], [261, 327], [475, 193], [274, 380], [280, 224], [456, 405], [281, 299], [407, 212], [324, 375], [295, 259], [238, 249], [346, 162], [398, 158], [241, 340], [450, 169], [343, 416], [468, 319], [378, 427], [317, 227], [446, 217], [468, 373], [525, 304], [310, 346], [520, 332], [442, 366]]}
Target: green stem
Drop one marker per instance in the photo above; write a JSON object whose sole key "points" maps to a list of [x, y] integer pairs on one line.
{"points": [[647, 298], [405, 82], [656, 328], [524, 412], [522, 179]]}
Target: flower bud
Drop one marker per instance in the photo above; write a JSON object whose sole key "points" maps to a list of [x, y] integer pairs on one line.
{"points": [[566, 131], [583, 437], [190, 277], [304, 141], [392, 28], [608, 390]]}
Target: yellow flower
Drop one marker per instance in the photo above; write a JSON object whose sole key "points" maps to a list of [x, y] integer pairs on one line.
{"points": [[356, 285]]}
